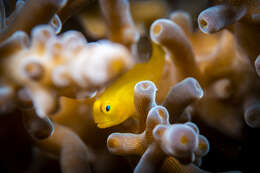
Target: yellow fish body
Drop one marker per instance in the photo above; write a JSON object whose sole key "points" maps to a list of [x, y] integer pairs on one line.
{"points": [[116, 104]]}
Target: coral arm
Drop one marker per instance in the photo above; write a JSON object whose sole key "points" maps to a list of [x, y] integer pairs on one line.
{"points": [[120, 24], [70, 149], [183, 19], [218, 17], [38, 128], [33, 13], [178, 47], [14, 43], [144, 99], [71, 8], [151, 160], [181, 95], [252, 112]]}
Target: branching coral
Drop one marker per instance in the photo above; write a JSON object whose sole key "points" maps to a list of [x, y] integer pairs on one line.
{"points": [[69, 147], [47, 68], [182, 95], [142, 16], [119, 21], [173, 39], [71, 8], [76, 114], [6, 98], [251, 112], [216, 18], [226, 60], [13, 44], [39, 128], [33, 10], [242, 15], [222, 83], [226, 13], [160, 138]]}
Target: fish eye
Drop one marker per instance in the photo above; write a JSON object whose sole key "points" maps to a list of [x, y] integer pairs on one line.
{"points": [[105, 108], [108, 108]]}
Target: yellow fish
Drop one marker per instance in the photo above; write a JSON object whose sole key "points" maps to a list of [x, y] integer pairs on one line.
{"points": [[116, 104]]}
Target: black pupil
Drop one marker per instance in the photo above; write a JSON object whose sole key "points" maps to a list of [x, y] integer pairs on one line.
{"points": [[107, 108]]}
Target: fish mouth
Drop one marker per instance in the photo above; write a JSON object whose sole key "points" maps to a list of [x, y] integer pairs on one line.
{"points": [[108, 123], [101, 122], [104, 124]]}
